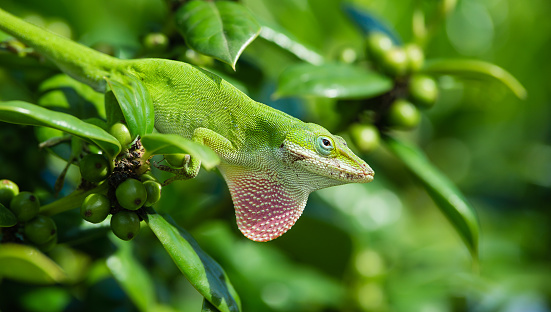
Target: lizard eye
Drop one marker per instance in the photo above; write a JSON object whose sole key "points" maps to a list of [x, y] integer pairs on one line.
{"points": [[324, 145]]}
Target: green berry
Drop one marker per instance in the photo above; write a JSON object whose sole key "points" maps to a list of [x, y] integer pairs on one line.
{"points": [[415, 57], [8, 189], [40, 229], [7, 218], [94, 168], [176, 160], [157, 42], [153, 190], [131, 194], [348, 55], [198, 59], [49, 245], [366, 137], [60, 28], [95, 208], [147, 177], [25, 206], [423, 91], [121, 132], [125, 225], [395, 62], [403, 115], [378, 44]]}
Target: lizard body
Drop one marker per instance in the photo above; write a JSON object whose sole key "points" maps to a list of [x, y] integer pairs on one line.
{"points": [[271, 161]]}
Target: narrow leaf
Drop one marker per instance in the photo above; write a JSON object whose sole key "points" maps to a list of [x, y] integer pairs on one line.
{"points": [[197, 266], [113, 110], [157, 143], [29, 114], [27, 264], [369, 23], [476, 68], [289, 42], [7, 218], [208, 307], [135, 103], [68, 95], [221, 29], [449, 199], [337, 80], [132, 276]]}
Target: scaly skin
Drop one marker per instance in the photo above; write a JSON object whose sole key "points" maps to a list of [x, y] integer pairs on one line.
{"points": [[270, 160]]}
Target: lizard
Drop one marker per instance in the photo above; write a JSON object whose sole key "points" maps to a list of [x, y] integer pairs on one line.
{"points": [[270, 160]]}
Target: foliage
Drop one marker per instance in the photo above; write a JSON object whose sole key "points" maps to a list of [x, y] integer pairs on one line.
{"points": [[377, 247]]}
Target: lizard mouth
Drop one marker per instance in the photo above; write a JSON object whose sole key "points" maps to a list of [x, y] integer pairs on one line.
{"points": [[345, 169], [358, 172]]}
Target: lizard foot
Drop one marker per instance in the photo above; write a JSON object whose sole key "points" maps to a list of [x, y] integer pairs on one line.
{"points": [[189, 170]]}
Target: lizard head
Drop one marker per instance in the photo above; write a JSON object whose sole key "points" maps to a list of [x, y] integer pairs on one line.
{"points": [[323, 157], [268, 200]]}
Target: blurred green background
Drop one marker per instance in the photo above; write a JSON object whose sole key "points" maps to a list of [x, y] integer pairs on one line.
{"points": [[383, 246]]}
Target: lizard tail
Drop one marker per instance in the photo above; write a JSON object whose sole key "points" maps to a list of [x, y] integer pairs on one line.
{"points": [[80, 62]]}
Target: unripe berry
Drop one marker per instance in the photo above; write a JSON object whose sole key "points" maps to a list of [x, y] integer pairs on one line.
{"points": [[131, 194], [198, 59], [60, 28], [423, 91], [415, 57], [147, 177], [125, 225], [395, 62], [348, 55], [153, 190], [156, 42], [403, 115], [378, 44], [49, 245], [121, 132], [365, 137], [40, 229], [8, 189], [176, 160], [94, 168], [25, 206], [95, 208]]}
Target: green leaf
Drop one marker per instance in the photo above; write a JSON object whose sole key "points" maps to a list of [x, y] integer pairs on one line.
{"points": [[283, 38], [446, 195], [132, 276], [338, 80], [65, 94], [46, 299], [135, 103], [157, 143], [221, 29], [23, 113], [7, 218], [208, 307], [197, 266], [113, 110], [27, 264], [476, 68]]}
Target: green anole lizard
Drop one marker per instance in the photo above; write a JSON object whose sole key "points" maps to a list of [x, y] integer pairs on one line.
{"points": [[270, 160]]}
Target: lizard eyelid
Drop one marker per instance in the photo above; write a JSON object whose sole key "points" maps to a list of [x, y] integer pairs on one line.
{"points": [[324, 145]]}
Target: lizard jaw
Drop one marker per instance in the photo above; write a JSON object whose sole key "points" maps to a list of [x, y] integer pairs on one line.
{"points": [[345, 169]]}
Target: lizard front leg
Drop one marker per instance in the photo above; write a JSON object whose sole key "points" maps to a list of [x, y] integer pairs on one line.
{"points": [[191, 165]]}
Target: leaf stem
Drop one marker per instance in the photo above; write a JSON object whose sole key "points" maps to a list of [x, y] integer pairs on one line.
{"points": [[466, 66], [71, 201]]}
